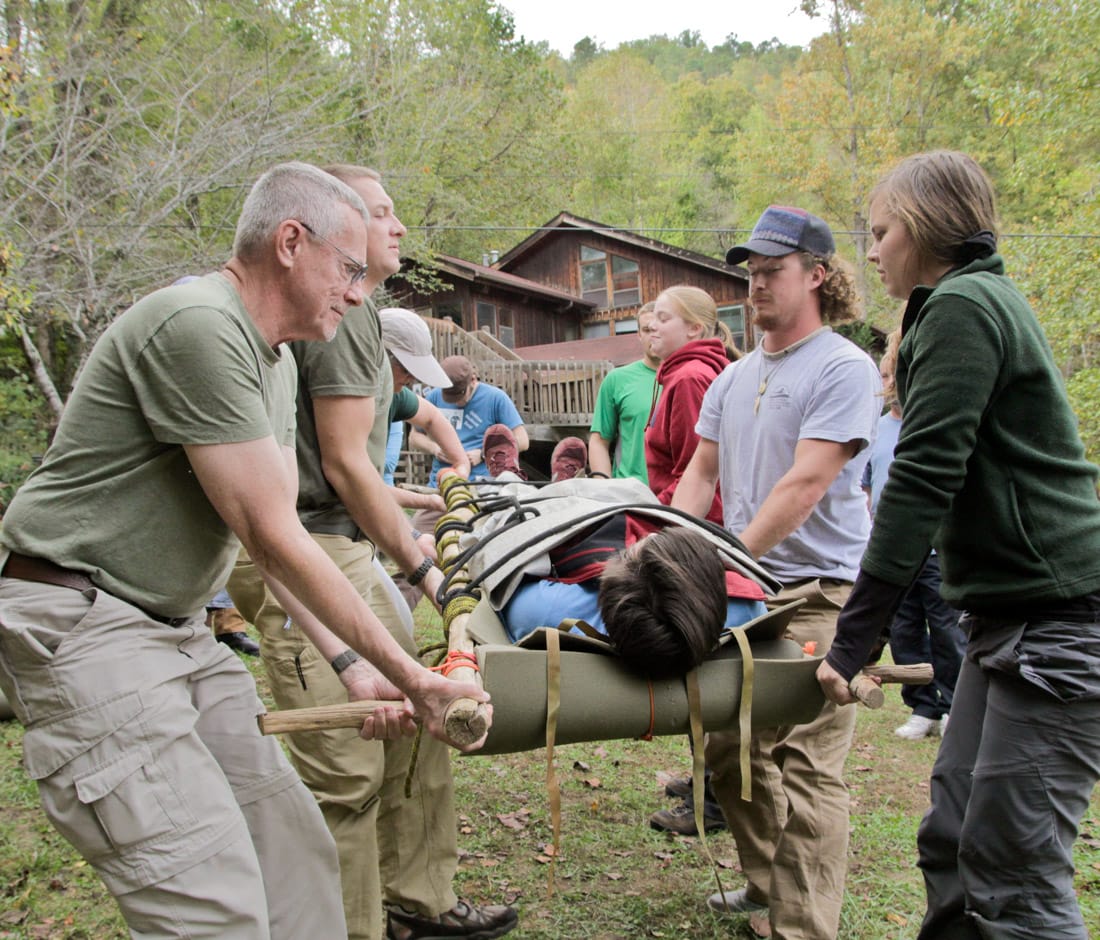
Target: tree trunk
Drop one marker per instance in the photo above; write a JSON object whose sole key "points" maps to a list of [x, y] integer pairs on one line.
{"points": [[41, 374]]}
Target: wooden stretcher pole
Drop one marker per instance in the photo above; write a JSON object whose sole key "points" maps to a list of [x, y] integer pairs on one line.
{"points": [[465, 720], [870, 693]]}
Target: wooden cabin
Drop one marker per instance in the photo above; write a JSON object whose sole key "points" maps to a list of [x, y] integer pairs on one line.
{"points": [[618, 271]]}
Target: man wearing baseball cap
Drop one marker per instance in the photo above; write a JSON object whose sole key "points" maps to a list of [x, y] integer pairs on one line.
{"points": [[785, 432], [398, 856], [408, 342]]}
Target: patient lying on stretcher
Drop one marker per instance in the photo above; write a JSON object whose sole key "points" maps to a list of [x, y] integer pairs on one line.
{"points": [[660, 593]]}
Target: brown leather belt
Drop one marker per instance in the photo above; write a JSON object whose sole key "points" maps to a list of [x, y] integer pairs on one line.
{"points": [[27, 568]]}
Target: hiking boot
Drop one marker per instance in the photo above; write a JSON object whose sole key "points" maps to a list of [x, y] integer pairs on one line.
{"points": [[462, 920], [681, 820], [679, 788], [734, 902], [229, 628], [500, 451], [569, 459], [239, 641], [918, 727]]}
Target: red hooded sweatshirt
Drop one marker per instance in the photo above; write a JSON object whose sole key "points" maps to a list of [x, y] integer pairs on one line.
{"points": [[670, 438]]}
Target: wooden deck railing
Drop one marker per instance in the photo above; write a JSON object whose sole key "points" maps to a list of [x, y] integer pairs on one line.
{"points": [[545, 391]]}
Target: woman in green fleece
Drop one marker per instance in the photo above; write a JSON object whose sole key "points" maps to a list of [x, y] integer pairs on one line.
{"points": [[990, 470]]}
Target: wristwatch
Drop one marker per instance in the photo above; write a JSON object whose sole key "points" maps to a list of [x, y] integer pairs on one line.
{"points": [[345, 659], [417, 576]]}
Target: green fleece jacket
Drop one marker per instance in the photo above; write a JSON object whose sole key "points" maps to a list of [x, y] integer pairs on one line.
{"points": [[989, 466]]}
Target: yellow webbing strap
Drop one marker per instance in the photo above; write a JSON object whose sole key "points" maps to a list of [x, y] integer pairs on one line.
{"points": [[744, 715], [698, 765], [584, 626], [553, 704]]}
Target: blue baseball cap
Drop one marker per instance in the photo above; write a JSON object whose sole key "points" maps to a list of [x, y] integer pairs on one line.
{"points": [[783, 229]]}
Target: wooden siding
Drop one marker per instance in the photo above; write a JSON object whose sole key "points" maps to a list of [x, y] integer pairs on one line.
{"points": [[534, 324], [556, 263]]}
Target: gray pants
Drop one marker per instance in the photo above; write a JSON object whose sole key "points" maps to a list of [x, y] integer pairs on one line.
{"points": [[1012, 780], [142, 739]]}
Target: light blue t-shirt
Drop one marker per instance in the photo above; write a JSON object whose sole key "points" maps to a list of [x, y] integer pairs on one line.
{"points": [[486, 407], [881, 456], [825, 388], [539, 603]]}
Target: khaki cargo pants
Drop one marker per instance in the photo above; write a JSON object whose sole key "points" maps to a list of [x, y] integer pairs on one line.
{"points": [[793, 837], [143, 741], [403, 851]]}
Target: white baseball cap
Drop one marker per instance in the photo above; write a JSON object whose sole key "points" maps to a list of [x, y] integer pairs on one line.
{"points": [[407, 336]]}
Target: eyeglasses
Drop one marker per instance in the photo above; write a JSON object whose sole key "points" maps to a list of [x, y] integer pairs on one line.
{"points": [[356, 271]]}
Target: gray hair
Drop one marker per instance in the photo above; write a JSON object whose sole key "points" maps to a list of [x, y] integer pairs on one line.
{"points": [[292, 191]]}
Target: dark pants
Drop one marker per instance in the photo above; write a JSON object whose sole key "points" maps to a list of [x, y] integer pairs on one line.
{"points": [[1012, 780], [926, 630]]}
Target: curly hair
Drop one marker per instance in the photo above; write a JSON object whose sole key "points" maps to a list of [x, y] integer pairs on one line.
{"points": [[839, 297], [664, 602]]}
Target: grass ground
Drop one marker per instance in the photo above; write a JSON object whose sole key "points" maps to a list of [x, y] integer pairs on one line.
{"points": [[615, 878]]}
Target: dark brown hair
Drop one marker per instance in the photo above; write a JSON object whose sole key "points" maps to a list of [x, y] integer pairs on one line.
{"points": [[664, 602]]}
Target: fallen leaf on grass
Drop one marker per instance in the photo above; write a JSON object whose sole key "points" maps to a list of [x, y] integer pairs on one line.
{"points": [[581, 766], [593, 782], [898, 919], [516, 821], [613, 875], [600, 751], [664, 856]]}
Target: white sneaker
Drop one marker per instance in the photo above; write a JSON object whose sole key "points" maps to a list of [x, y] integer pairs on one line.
{"points": [[918, 727], [734, 902], [943, 726]]}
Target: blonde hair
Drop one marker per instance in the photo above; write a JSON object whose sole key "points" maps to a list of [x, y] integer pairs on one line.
{"points": [[889, 361], [942, 198], [349, 172], [695, 305]]}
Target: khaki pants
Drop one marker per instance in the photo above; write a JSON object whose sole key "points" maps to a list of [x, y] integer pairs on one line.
{"points": [[792, 838], [401, 850], [143, 741]]}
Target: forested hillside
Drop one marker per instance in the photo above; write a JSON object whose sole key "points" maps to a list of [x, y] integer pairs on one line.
{"points": [[130, 130]]}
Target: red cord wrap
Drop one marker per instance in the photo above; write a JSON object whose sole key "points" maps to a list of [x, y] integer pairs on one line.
{"points": [[457, 659]]}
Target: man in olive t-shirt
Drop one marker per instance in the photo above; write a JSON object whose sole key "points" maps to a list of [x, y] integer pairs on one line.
{"points": [[140, 727]]}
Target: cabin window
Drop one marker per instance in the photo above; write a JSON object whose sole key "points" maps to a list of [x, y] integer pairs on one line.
{"points": [[448, 309], [626, 326], [498, 321], [609, 280], [734, 317], [597, 330], [486, 317], [624, 282], [506, 331]]}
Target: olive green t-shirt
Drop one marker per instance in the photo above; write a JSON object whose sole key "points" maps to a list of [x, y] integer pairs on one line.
{"points": [[352, 364], [115, 496]]}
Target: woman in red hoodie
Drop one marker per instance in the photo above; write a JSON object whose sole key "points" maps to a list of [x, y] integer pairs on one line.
{"points": [[694, 346]]}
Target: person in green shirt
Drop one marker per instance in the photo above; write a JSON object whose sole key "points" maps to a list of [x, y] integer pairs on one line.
{"points": [[616, 445]]}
